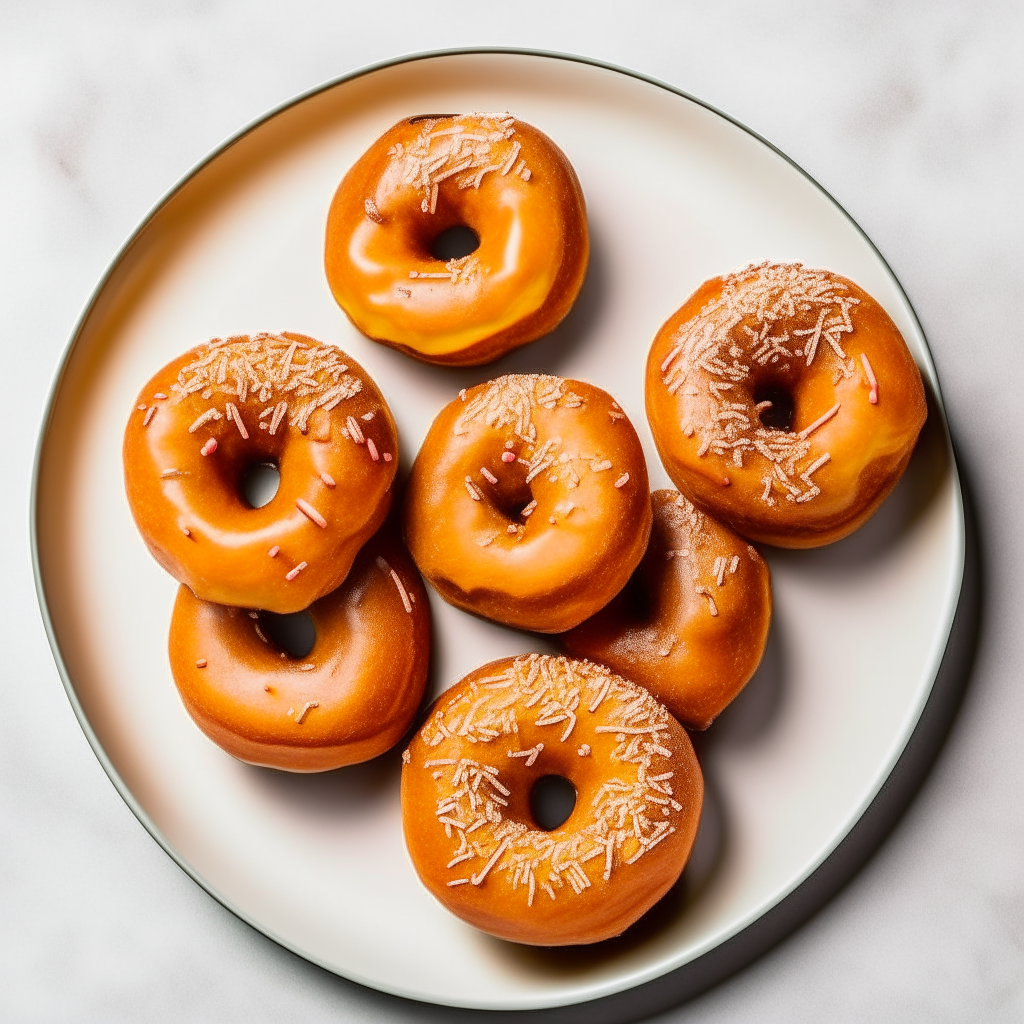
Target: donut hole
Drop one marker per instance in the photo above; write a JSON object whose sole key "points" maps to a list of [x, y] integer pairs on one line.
{"points": [[778, 414], [552, 801], [294, 633], [260, 483], [510, 495], [455, 242]]}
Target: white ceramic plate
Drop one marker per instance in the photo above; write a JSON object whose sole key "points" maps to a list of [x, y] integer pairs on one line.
{"points": [[676, 193]]}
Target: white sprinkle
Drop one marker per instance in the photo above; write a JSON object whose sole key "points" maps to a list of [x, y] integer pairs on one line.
{"points": [[819, 421], [327, 479], [458, 881], [406, 756], [185, 530], [480, 876], [402, 592], [307, 510], [160, 396], [372, 449], [305, 707], [355, 431], [720, 571], [274, 550], [529, 509], [210, 414], [372, 212], [295, 572], [275, 421], [623, 480], [600, 467], [473, 492], [584, 750], [201, 663], [488, 475], [712, 607], [462, 394], [168, 473], [734, 563], [873, 393], [150, 413], [307, 667]]}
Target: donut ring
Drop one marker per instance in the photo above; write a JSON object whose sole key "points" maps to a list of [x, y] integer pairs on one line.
{"points": [[502, 178], [528, 503], [692, 623], [466, 784], [785, 402], [214, 412], [351, 698]]}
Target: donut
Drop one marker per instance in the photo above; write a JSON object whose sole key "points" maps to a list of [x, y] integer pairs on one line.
{"points": [[467, 779], [211, 415], [486, 175], [692, 623], [784, 401], [527, 503], [350, 698]]}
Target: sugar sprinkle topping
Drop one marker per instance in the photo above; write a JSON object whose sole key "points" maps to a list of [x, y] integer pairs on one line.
{"points": [[770, 314], [555, 690]]}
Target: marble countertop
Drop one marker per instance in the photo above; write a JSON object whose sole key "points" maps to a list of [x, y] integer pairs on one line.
{"points": [[912, 115]]}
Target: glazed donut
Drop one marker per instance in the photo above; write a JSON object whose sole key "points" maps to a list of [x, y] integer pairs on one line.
{"points": [[205, 419], [353, 695], [785, 402], [692, 623], [501, 178], [527, 503], [466, 785]]}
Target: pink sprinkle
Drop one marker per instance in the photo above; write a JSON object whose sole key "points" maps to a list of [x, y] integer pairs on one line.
{"points": [[209, 448], [307, 510], [623, 480], [185, 530], [201, 663], [160, 395], [295, 572], [387, 456], [150, 412], [488, 475], [372, 449], [141, 407], [274, 550], [873, 393], [508, 457], [327, 479]]}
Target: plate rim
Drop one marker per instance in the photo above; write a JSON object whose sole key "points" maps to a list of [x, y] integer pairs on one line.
{"points": [[595, 991]]}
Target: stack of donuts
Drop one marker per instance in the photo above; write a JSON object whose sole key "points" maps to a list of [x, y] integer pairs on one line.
{"points": [[783, 403]]}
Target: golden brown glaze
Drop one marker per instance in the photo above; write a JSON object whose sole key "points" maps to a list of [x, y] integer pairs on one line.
{"points": [[466, 785], [528, 503], [692, 623], [351, 698], [784, 333], [500, 177], [208, 417]]}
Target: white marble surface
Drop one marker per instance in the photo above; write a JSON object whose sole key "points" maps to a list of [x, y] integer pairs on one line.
{"points": [[912, 114]]}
